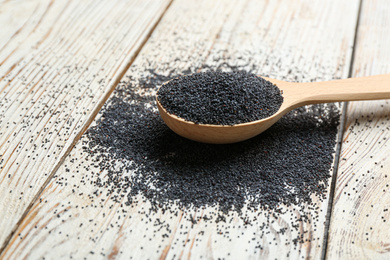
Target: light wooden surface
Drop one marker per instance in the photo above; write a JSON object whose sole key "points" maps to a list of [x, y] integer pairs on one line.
{"points": [[294, 95], [283, 40], [360, 223], [59, 61]]}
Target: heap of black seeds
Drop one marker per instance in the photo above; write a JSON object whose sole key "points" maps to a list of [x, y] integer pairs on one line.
{"points": [[220, 98], [286, 165]]}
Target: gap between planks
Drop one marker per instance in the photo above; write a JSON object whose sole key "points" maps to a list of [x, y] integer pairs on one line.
{"points": [[340, 138]]}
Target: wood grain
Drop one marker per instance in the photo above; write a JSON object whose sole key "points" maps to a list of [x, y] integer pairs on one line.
{"points": [[59, 61], [282, 39], [360, 220]]}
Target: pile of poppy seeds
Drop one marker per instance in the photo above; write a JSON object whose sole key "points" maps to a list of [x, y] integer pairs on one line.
{"points": [[136, 155], [220, 98]]}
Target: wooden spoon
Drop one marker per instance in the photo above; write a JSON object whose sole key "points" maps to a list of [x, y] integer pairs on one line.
{"points": [[295, 95]]}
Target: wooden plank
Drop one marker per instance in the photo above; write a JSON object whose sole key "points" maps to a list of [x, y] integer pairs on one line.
{"points": [[59, 61], [282, 39], [361, 208], [14, 16]]}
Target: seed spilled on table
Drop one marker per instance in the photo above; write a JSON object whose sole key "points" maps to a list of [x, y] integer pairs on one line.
{"points": [[285, 166], [220, 98]]}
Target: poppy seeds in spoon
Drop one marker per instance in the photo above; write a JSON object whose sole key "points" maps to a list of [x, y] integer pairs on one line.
{"points": [[220, 98]]}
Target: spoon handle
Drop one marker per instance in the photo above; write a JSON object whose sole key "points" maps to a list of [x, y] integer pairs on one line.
{"points": [[352, 89]]}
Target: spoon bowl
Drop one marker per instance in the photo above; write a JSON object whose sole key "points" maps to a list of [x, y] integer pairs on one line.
{"points": [[294, 94]]}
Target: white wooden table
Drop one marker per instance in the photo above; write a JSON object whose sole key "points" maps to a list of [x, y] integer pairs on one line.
{"points": [[61, 60]]}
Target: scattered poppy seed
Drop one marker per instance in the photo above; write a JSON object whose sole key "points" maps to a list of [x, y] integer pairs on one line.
{"points": [[285, 165], [220, 98]]}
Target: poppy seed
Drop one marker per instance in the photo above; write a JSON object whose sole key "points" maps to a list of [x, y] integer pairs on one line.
{"points": [[220, 98]]}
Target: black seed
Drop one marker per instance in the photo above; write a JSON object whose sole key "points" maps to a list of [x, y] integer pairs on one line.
{"points": [[131, 152], [220, 98], [285, 165]]}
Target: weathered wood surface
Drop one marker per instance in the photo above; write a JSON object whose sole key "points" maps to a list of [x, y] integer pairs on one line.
{"points": [[360, 227], [59, 61], [300, 40]]}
